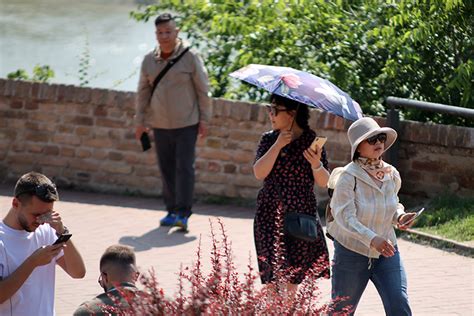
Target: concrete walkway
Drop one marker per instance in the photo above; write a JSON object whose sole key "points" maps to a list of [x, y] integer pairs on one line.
{"points": [[440, 283]]}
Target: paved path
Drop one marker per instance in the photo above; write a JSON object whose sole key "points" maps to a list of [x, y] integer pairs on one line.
{"points": [[440, 283]]}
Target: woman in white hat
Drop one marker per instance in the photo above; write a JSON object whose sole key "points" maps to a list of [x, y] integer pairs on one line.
{"points": [[365, 207]]}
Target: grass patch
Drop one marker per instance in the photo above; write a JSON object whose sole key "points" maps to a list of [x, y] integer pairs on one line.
{"points": [[449, 216], [224, 200]]}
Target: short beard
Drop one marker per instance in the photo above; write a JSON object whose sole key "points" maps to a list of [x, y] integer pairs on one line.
{"points": [[24, 224]]}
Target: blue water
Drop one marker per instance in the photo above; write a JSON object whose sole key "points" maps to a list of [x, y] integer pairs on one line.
{"points": [[59, 33]]}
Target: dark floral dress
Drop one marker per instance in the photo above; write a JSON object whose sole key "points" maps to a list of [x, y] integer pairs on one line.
{"points": [[296, 182]]}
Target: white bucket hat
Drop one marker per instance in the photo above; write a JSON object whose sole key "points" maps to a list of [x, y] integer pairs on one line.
{"points": [[367, 127]]}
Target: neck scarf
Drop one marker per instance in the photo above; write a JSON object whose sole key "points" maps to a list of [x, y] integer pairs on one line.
{"points": [[375, 167]]}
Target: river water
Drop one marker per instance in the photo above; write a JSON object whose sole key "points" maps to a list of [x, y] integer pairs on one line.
{"points": [[60, 33]]}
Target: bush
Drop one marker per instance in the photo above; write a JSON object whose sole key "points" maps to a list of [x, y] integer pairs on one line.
{"points": [[224, 292]]}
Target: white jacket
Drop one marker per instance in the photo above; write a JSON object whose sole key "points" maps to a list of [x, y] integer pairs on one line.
{"points": [[367, 211]]}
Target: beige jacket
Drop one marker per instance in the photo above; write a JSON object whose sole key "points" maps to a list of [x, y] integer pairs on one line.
{"points": [[181, 98], [368, 211]]}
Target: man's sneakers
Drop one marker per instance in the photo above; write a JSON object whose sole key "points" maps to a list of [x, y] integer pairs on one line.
{"points": [[169, 220], [182, 222], [172, 219]]}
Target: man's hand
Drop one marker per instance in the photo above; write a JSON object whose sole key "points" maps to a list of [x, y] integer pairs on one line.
{"points": [[202, 129], [53, 219], [139, 130], [45, 254], [383, 246]]}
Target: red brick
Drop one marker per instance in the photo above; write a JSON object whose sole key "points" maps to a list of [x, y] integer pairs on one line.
{"points": [[51, 150], [230, 168], [16, 104], [47, 92], [98, 96], [109, 123], [37, 137], [116, 156], [213, 143], [83, 153], [68, 152], [213, 166], [100, 110], [430, 166], [31, 105], [66, 139]]}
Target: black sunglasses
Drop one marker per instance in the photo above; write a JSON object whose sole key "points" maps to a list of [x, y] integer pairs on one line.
{"points": [[274, 109], [45, 191], [382, 137]]}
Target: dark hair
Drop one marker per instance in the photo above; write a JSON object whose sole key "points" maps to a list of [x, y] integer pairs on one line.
{"points": [[120, 256], [163, 18], [356, 156], [35, 184], [302, 114]]}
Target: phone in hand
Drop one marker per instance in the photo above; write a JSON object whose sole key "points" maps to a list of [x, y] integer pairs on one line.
{"points": [[145, 140], [62, 238], [414, 217], [319, 141]]}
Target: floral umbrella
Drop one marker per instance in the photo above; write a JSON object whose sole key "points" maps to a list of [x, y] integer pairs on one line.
{"points": [[302, 87]]}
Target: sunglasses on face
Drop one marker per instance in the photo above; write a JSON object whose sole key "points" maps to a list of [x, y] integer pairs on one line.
{"points": [[382, 137], [274, 109], [45, 191]]}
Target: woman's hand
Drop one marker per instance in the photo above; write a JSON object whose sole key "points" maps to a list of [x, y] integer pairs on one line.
{"points": [[406, 220], [383, 246], [283, 139], [313, 157]]}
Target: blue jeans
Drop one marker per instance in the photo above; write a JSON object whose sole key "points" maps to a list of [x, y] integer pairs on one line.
{"points": [[352, 272]]}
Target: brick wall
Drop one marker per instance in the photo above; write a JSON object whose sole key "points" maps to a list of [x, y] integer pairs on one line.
{"points": [[83, 138]]}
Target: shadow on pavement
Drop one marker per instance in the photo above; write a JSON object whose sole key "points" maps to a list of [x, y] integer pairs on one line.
{"points": [[158, 237], [140, 202]]}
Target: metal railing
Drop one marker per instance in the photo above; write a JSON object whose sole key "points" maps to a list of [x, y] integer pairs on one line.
{"points": [[393, 117]]}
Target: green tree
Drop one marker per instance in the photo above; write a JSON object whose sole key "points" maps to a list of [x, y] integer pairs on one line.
{"points": [[418, 49], [40, 74]]}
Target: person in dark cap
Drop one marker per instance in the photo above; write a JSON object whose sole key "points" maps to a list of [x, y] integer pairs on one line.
{"points": [[28, 257], [177, 108]]}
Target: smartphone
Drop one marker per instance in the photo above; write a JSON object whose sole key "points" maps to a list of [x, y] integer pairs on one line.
{"points": [[62, 238], [414, 217], [145, 140], [319, 141]]}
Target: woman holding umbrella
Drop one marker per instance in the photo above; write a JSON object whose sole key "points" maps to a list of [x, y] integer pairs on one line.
{"points": [[289, 169]]}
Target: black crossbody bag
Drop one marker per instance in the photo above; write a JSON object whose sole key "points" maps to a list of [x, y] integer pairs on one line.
{"points": [[145, 139], [298, 225]]}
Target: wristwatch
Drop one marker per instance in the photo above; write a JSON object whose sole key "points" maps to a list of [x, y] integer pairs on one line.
{"points": [[65, 231]]}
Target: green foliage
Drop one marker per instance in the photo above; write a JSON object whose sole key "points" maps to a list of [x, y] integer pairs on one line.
{"points": [[85, 63], [40, 74], [460, 229], [449, 216], [20, 74], [372, 49]]}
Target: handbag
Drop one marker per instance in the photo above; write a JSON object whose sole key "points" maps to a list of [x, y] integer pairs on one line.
{"points": [[299, 225]]}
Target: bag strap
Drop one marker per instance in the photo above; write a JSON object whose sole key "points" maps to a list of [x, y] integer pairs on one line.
{"points": [[166, 68]]}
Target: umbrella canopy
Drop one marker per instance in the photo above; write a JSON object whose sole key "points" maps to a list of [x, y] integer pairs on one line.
{"points": [[302, 87]]}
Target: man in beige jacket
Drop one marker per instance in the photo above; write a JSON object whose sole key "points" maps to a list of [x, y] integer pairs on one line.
{"points": [[177, 110]]}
